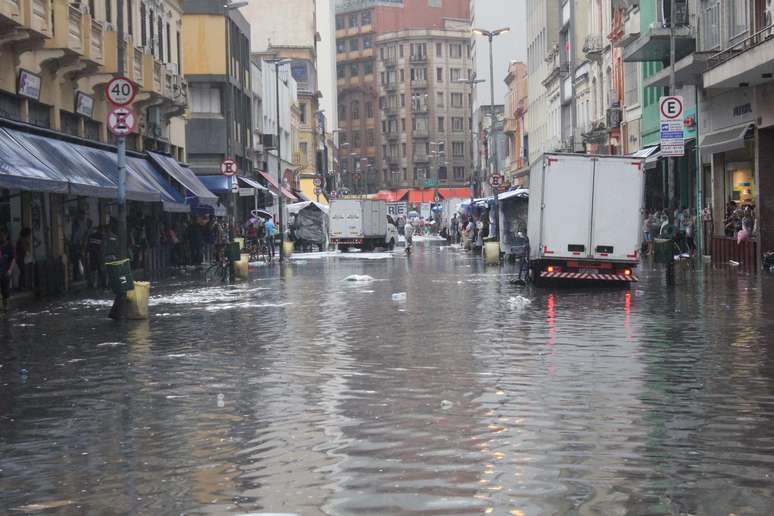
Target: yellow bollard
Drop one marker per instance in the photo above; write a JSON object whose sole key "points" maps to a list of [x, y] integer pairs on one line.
{"points": [[492, 253], [288, 249], [137, 301], [243, 266]]}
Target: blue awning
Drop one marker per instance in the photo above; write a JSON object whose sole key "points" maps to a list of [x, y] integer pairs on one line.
{"points": [[171, 200], [186, 177], [83, 178], [222, 184], [137, 187], [20, 169]]}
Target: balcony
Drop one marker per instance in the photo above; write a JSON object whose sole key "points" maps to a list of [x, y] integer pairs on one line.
{"points": [[110, 53], [420, 132], [419, 84], [653, 45], [151, 72], [35, 16], [68, 33], [510, 126], [593, 46], [628, 31], [390, 110], [393, 135], [95, 44], [390, 86], [419, 108], [390, 61], [421, 158], [10, 13], [136, 72], [595, 132], [687, 71], [747, 63], [418, 58]]}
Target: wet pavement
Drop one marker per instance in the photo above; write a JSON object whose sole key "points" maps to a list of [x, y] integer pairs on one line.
{"points": [[310, 391]]}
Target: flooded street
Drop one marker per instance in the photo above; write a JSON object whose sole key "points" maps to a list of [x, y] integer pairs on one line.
{"points": [[302, 391]]}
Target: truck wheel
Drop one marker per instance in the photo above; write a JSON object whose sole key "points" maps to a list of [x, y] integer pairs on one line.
{"points": [[343, 248], [391, 245]]}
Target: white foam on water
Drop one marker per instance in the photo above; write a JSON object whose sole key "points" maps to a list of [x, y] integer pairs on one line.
{"points": [[360, 278], [110, 344]]}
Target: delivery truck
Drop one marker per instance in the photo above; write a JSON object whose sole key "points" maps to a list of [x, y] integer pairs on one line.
{"points": [[361, 223], [585, 217]]}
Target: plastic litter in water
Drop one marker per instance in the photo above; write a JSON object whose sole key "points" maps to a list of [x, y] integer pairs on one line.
{"points": [[519, 302], [734, 263], [446, 404], [399, 296], [359, 278], [221, 401], [110, 344]]}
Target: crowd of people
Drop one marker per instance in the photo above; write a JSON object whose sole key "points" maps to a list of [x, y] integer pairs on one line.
{"points": [[678, 225], [739, 222]]}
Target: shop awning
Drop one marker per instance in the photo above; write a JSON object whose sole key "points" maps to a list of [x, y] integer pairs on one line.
{"points": [[83, 178], [221, 184], [172, 201], [390, 196], [651, 154], [725, 140], [20, 169], [186, 177], [273, 184], [519, 193], [455, 193], [137, 187]]}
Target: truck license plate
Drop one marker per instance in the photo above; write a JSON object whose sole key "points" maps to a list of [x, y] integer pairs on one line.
{"points": [[589, 271]]}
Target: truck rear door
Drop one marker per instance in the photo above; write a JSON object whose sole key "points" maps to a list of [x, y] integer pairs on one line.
{"points": [[617, 219], [345, 219], [568, 186]]}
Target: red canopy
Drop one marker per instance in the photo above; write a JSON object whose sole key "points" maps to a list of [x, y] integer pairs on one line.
{"points": [[428, 195], [455, 193], [417, 196], [273, 184], [389, 196]]}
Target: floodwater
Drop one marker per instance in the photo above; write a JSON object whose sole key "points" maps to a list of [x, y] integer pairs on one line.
{"points": [[319, 388]]}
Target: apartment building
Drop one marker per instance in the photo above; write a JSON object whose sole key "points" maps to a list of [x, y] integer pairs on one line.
{"points": [[516, 100], [371, 155]]}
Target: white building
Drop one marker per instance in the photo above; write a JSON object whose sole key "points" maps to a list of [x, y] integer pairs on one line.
{"points": [[326, 62], [542, 34], [288, 97]]}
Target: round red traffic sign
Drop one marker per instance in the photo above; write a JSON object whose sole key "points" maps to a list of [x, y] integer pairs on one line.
{"points": [[122, 121], [317, 181], [120, 91], [495, 180], [671, 108], [228, 167], [333, 194]]}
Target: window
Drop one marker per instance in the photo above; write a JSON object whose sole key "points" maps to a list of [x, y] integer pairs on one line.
{"points": [[356, 110], [367, 42], [354, 70], [365, 18], [455, 50], [302, 112], [441, 124], [341, 46], [353, 20], [459, 172], [143, 25], [341, 72], [169, 42], [129, 19], [369, 106], [403, 150], [454, 74], [368, 68], [343, 138], [356, 139], [341, 22], [710, 24], [370, 138], [381, 53], [438, 49], [439, 99], [400, 51], [457, 124], [458, 149], [109, 13], [456, 100], [737, 17], [205, 99], [439, 75], [442, 173], [382, 103], [354, 44], [304, 148], [403, 125], [419, 74], [631, 84], [402, 75], [402, 100], [342, 111]]}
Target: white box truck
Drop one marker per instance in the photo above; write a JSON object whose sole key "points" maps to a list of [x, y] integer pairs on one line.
{"points": [[362, 224], [585, 217]]}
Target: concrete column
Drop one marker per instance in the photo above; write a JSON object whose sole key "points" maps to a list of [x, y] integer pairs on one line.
{"points": [[764, 186]]}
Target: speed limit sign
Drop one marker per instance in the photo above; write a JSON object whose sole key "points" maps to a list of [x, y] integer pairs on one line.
{"points": [[120, 91]]}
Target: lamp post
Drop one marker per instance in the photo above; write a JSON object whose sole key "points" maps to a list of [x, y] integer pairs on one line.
{"points": [[472, 82], [490, 35], [280, 201]]}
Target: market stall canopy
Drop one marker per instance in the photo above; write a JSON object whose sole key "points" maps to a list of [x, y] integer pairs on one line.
{"points": [[390, 196], [221, 184], [273, 185], [186, 177], [417, 196], [56, 155], [651, 155], [519, 193], [298, 206], [455, 193], [20, 169]]}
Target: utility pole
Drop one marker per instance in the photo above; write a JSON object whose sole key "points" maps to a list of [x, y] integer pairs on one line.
{"points": [[670, 187], [280, 200], [123, 249]]}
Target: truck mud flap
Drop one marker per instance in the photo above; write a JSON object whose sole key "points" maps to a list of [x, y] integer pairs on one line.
{"points": [[589, 277]]}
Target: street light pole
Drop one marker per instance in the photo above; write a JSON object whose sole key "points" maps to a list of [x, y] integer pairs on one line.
{"points": [[280, 201], [672, 91], [490, 35], [472, 83]]}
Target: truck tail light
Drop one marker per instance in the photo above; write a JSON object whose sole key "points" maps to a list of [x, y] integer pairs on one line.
{"points": [[550, 268]]}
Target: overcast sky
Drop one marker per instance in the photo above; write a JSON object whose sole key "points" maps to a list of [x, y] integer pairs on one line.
{"points": [[492, 15]]}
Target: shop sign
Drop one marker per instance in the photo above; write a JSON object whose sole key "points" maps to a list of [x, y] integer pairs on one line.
{"points": [[729, 109], [84, 104], [397, 209], [29, 85]]}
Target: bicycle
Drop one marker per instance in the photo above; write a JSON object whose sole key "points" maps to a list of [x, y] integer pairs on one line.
{"points": [[259, 250], [220, 269]]}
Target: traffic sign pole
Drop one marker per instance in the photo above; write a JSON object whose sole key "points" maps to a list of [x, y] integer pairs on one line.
{"points": [[121, 144]]}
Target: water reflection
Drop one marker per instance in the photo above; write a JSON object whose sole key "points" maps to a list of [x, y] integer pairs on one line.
{"points": [[301, 392]]}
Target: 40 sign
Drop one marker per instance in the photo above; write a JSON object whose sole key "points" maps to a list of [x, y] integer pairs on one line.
{"points": [[120, 91]]}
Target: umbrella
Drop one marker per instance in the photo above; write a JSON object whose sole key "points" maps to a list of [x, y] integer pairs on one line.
{"points": [[261, 213]]}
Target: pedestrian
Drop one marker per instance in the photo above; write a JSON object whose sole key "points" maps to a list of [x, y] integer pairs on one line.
{"points": [[270, 230], [77, 242], [7, 262], [689, 227], [455, 225], [24, 258], [646, 233]]}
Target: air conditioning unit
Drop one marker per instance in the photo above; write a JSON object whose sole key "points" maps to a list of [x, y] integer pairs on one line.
{"points": [[614, 117], [269, 141]]}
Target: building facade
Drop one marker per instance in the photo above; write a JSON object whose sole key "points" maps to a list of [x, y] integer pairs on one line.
{"points": [[217, 65], [516, 101], [388, 118]]}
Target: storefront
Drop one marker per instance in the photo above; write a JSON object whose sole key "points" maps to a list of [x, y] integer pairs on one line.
{"points": [[727, 149]]}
